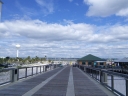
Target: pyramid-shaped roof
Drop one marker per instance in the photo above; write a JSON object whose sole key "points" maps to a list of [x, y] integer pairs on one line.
{"points": [[90, 57]]}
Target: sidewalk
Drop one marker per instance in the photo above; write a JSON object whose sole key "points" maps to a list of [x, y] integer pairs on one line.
{"points": [[21, 87], [66, 81]]}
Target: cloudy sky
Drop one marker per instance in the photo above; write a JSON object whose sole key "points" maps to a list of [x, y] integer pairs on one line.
{"points": [[64, 28]]}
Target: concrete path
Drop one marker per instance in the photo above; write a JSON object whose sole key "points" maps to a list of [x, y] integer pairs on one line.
{"points": [[65, 81], [21, 88]]}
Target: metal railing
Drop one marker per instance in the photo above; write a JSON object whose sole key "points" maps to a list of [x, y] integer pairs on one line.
{"points": [[9, 75], [108, 79]]}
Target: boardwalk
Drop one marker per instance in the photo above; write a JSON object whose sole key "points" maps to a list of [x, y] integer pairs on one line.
{"points": [[64, 81]]}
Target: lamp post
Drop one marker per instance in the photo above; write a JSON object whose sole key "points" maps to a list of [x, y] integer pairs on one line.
{"points": [[0, 9], [17, 47]]}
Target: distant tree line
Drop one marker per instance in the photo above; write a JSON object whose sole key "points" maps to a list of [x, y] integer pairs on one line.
{"points": [[27, 60]]}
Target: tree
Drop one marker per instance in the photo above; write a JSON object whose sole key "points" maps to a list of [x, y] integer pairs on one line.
{"points": [[1, 60], [49, 61], [37, 59]]}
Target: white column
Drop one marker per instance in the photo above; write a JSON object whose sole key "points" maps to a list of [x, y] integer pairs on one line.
{"points": [[17, 52], [17, 48]]}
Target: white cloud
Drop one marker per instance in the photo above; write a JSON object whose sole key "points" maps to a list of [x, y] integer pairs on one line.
{"points": [[77, 4], [46, 5], [105, 8], [42, 30], [123, 12], [38, 38], [70, 0]]}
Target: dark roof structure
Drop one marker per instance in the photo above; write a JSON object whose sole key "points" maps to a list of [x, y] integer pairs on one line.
{"points": [[90, 57]]}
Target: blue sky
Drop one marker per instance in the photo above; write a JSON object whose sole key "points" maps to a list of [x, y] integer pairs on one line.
{"points": [[64, 28]]}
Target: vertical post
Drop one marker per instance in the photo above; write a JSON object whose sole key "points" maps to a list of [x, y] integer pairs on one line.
{"points": [[43, 68], [40, 69], [101, 76], [50, 67], [26, 72], [54, 66], [14, 75], [11, 75], [17, 74], [36, 69], [89, 71], [105, 78], [112, 82], [84, 69], [126, 87], [96, 74], [92, 73], [32, 71]]}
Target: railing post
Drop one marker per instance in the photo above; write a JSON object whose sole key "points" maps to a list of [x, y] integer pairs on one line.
{"points": [[89, 71], [14, 75], [53, 66], [50, 66], [112, 82], [84, 69], [96, 74], [36, 69], [26, 72], [43, 68], [103, 77], [99, 75], [32, 71], [17, 74], [92, 73], [126, 87], [40, 69]]}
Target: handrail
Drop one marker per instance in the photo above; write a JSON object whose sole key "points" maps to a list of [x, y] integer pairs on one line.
{"points": [[101, 75], [13, 74]]}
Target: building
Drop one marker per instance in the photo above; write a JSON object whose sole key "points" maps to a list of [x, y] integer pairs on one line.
{"points": [[122, 62], [91, 60]]}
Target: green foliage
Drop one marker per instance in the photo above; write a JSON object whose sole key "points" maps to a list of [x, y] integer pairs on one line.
{"points": [[27, 60], [19, 66], [1, 60], [1, 68], [49, 61]]}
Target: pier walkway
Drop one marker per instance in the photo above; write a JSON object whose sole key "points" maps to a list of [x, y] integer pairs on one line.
{"points": [[63, 81]]}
